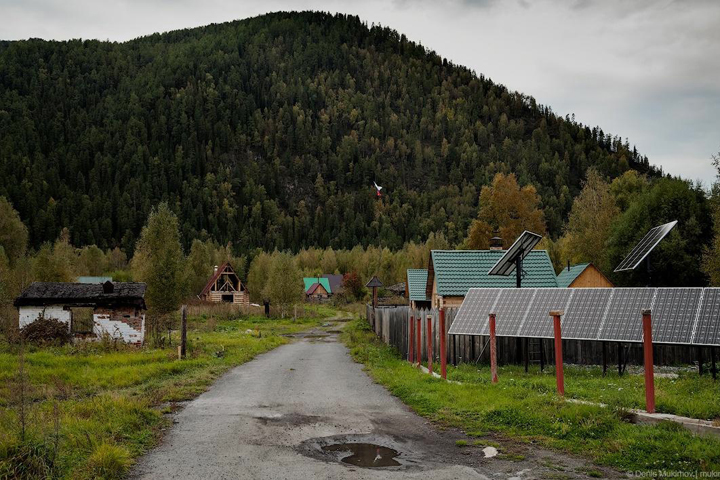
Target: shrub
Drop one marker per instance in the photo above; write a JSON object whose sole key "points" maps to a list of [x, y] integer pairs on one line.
{"points": [[28, 459], [46, 331], [108, 461]]}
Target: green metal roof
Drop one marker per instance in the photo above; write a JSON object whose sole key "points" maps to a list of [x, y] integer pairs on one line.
{"points": [[456, 271], [568, 275], [310, 281], [94, 279], [417, 281]]}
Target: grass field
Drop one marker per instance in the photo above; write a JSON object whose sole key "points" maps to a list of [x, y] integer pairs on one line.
{"points": [[525, 407], [90, 409]]}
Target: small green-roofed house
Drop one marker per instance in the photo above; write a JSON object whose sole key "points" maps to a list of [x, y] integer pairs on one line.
{"points": [[582, 275], [416, 288], [451, 273], [317, 287], [87, 279]]}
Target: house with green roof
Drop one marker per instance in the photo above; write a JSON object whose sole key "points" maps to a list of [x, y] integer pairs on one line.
{"points": [[416, 282], [582, 275], [451, 273], [317, 287]]}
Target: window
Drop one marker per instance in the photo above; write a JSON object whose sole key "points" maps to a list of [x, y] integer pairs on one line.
{"points": [[81, 320]]}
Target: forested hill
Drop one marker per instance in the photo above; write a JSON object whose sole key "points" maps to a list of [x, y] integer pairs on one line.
{"points": [[269, 132]]}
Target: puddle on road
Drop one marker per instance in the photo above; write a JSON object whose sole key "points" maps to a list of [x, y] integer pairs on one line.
{"points": [[316, 335], [366, 455], [490, 452]]}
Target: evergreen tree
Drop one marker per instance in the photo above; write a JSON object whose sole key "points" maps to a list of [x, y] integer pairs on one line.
{"points": [[159, 262]]}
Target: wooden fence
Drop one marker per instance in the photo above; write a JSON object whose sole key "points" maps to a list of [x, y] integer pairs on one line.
{"points": [[391, 323]]}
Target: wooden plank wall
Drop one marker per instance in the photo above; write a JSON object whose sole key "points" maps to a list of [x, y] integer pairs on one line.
{"points": [[391, 325]]}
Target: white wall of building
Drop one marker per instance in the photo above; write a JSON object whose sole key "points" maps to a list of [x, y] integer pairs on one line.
{"points": [[30, 314], [117, 329]]}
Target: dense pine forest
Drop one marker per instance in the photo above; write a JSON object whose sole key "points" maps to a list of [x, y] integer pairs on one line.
{"points": [[269, 132]]}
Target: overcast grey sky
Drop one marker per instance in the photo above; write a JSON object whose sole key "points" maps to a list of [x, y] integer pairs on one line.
{"points": [[645, 70]]}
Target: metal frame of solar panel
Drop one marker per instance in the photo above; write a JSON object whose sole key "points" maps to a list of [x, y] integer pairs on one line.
{"points": [[522, 246], [645, 246], [707, 331], [537, 322], [584, 316], [472, 318], [674, 313]]}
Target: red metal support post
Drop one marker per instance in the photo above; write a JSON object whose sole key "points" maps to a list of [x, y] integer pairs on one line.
{"points": [[429, 343], [559, 376], [493, 349], [443, 344], [411, 340], [649, 371], [419, 341]]}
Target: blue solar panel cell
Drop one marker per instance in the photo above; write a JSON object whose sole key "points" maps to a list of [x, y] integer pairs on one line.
{"points": [[472, 317], [707, 329], [538, 323], [584, 316], [623, 320], [510, 309], [674, 313]]}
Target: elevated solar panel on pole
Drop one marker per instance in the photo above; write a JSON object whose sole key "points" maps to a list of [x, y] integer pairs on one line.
{"points": [[674, 313], [585, 315], [510, 309], [538, 323], [472, 317], [623, 320], [707, 328], [512, 259], [645, 246]]}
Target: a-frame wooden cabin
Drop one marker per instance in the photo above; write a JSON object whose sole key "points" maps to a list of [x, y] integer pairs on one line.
{"points": [[225, 286]]}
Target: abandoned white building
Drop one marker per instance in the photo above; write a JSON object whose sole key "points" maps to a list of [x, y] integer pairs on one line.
{"points": [[90, 310], [225, 286]]}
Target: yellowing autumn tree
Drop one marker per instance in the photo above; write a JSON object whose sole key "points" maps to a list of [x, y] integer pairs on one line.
{"points": [[588, 227], [507, 208]]}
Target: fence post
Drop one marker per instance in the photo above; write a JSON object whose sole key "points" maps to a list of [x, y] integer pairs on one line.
{"points": [[559, 377], [418, 325], [411, 336], [649, 371], [443, 344], [183, 331], [428, 334], [493, 349]]}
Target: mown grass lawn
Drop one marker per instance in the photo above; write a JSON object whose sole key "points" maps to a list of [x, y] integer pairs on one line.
{"points": [[525, 407], [90, 409]]}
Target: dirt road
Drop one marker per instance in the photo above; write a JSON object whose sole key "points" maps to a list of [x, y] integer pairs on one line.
{"points": [[283, 415]]}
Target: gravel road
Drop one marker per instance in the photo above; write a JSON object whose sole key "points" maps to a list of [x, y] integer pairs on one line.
{"points": [[271, 417]]}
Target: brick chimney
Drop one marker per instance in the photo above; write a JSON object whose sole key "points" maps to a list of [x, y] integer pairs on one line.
{"points": [[496, 243]]}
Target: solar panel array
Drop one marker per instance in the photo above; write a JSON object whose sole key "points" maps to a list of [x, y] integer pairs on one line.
{"points": [[645, 246], [679, 315]]}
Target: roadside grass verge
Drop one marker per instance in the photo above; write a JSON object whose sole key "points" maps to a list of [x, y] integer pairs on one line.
{"points": [[88, 410], [525, 407]]}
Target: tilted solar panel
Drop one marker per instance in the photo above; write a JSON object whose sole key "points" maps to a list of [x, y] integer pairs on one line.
{"points": [[645, 246], [510, 309], [520, 248], [472, 318], [623, 321], [585, 314], [538, 323], [674, 313], [707, 328]]}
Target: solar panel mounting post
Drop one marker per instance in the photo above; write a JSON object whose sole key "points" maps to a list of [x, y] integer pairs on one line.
{"points": [[518, 273]]}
